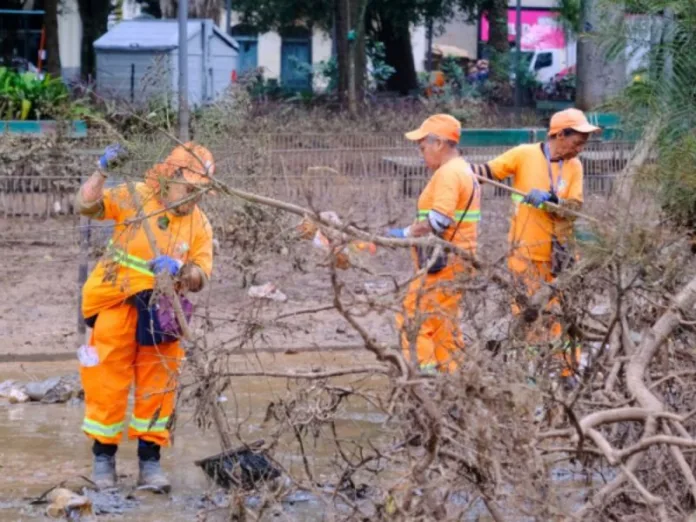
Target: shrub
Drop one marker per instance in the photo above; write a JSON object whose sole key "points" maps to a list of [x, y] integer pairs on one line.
{"points": [[26, 96]]}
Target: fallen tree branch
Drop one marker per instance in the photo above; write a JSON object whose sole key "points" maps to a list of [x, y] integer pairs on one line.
{"points": [[307, 375]]}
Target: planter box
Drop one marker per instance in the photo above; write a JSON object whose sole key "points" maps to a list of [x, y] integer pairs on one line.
{"points": [[76, 129]]}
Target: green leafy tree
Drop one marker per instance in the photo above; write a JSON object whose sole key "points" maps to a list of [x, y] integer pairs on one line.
{"points": [[385, 21], [661, 98]]}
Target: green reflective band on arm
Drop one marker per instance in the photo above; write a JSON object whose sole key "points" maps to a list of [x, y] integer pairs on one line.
{"points": [[133, 262], [143, 425], [471, 216], [105, 430], [516, 198]]}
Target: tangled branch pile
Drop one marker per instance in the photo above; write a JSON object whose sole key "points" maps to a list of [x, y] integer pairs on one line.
{"points": [[612, 442]]}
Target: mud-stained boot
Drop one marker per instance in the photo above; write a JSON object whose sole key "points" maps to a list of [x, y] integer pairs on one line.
{"points": [[151, 475], [104, 469]]}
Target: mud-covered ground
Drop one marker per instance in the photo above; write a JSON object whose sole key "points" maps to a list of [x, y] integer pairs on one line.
{"points": [[42, 444], [42, 447], [39, 289]]}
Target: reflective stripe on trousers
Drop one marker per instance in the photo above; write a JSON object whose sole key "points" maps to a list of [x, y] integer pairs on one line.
{"points": [[97, 428], [143, 425]]}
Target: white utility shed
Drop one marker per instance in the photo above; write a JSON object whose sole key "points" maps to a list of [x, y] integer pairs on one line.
{"points": [[138, 59]]}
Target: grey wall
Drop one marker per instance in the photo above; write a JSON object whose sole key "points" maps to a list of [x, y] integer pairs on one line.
{"points": [[152, 74], [222, 64]]}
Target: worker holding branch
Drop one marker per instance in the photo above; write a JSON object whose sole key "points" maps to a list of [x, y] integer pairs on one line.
{"points": [[548, 172], [448, 207], [134, 337]]}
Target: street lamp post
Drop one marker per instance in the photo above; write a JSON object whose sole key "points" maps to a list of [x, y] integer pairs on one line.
{"points": [[183, 71]]}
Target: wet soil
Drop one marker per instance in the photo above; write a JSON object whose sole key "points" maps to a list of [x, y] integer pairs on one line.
{"points": [[42, 446]]}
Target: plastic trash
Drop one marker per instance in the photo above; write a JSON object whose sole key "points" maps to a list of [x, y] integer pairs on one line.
{"points": [[65, 503], [87, 355], [346, 256], [17, 396], [267, 291]]}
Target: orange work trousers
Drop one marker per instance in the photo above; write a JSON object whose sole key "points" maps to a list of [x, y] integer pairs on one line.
{"points": [[122, 362], [531, 274], [432, 305]]}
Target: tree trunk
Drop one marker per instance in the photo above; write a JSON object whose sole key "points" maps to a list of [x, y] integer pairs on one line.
{"points": [[498, 32], [398, 54], [598, 78], [94, 15], [341, 17], [52, 41], [498, 39], [358, 58]]}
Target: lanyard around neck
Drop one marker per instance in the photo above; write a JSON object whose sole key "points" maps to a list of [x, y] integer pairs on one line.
{"points": [[547, 155]]}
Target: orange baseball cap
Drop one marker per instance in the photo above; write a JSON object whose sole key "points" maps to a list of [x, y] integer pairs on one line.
{"points": [[440, 125], [571, 119]]}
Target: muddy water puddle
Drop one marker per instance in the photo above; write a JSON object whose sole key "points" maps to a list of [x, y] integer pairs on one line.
{"points": [[42, 446]]}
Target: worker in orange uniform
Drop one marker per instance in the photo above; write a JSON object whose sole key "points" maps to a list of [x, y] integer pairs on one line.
{"points": [[546, 172], [448, 207], [132, 340]]}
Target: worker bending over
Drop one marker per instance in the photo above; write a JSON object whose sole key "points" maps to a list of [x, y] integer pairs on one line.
{"points": [[448, 207], [130, 342], [539, 235]]}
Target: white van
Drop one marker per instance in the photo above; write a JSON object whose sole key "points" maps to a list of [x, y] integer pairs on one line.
{"points": [[545, 64]]}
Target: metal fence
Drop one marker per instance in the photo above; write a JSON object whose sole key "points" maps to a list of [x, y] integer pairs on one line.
{"points": [[357, 169]]}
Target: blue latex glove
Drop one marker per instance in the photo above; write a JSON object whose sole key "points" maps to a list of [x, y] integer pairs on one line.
{"points": [[111, 153], [400, 233], [537, 198], [166, 264]]}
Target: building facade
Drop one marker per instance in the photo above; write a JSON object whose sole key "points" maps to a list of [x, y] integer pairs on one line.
{"points": [[279, 54]]}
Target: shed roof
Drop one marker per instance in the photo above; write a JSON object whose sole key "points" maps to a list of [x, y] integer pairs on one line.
{"points": [[154, 35]]}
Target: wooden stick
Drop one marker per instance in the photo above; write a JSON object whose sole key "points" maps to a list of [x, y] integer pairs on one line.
{"points": [[554, 206], [164, 281]]}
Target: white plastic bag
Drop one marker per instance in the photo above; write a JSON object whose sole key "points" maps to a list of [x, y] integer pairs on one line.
{"points": [[87, 355]]}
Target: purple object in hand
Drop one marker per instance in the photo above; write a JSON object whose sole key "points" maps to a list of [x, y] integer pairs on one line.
{"points": [[169, 326]]}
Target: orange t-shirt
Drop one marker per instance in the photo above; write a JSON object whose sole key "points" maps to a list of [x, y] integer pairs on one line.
{"points": [[448, 193], [187, 238], [531, 229]]}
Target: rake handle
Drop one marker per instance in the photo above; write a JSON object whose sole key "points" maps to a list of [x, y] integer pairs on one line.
{"points": [[513, 190], [165, 282]]}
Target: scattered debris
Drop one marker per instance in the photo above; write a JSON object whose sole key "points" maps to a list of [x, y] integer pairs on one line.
{"points": [[345, 256], [66, 503], [247, 467], [378, 287], [111, 502], [6, 387], [49, 391], [18, 396], [37, 390], [267, 291]]}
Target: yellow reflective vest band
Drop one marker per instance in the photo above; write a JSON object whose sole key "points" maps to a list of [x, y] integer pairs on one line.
{"points": [[127, 260], [472, 216]]}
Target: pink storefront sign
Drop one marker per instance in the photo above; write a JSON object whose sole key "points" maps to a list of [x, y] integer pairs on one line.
{"points": [[540, 29]]}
